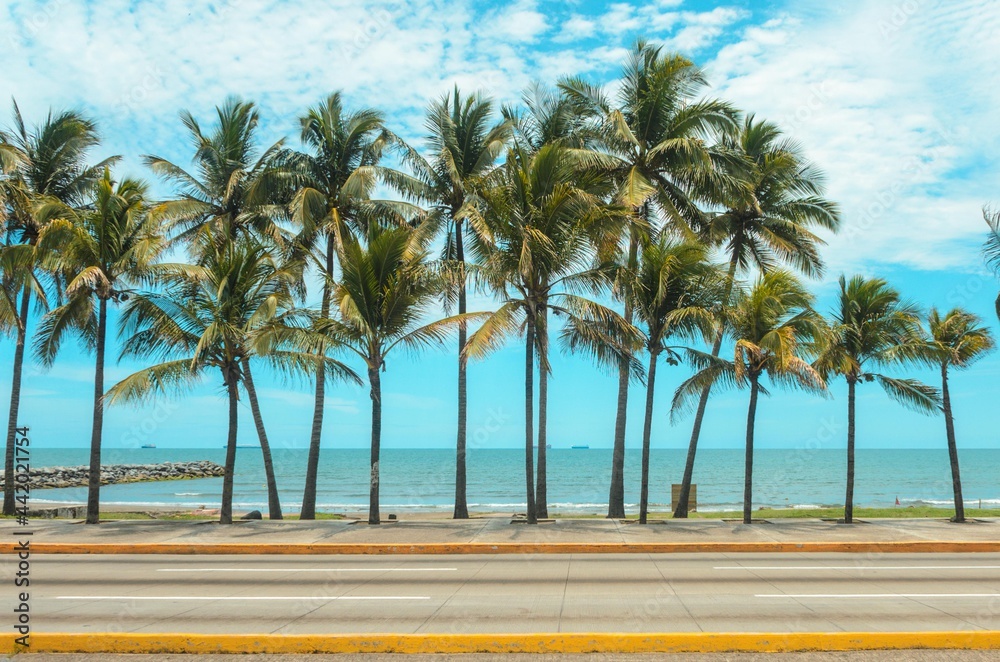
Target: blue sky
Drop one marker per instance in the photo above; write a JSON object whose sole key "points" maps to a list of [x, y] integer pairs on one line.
{"points": [[895, 101]]}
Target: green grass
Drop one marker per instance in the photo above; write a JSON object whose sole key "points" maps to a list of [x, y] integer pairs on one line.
{"points": [[768, 513], [171, 516], [189, 516], [838, 513]]}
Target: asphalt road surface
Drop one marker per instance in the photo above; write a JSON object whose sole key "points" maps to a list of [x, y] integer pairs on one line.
{"points": [[496, 594]]}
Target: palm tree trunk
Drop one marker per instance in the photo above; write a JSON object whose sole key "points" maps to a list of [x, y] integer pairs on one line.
{"points": [[949, 422], [849, 499], [461, 499], [97, 430], [681, 511], [15, 403], [273, 502], [748, 471], [541, 492], [226, 513], [376, 394], [529, 418], [647, 428], [308, 511], [616, 497]]}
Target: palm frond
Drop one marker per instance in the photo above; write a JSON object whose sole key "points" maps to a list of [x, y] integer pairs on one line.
{"points": [[911, 393]]}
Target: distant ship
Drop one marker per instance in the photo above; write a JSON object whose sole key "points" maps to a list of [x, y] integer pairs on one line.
{"points": [[580, 448], [148, 446]]}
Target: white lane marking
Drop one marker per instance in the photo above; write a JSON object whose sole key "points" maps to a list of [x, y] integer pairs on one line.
{"points": [[237, 597], [857, 567], [306, 569], [858, 596]]}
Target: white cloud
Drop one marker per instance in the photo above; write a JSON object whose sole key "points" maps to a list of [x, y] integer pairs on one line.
{"points": [[895, 108], [896, 102], [576, 27], [701, 29], [519, 22]]}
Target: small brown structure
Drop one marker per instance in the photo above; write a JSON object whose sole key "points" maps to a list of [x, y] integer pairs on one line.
{"points": [[675, 494]]}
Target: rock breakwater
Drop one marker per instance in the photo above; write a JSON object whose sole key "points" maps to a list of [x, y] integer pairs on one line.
{"points": [[54, 477]]}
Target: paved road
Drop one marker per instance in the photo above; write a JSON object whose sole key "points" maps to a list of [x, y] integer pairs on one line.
{"points": [[571, 593]]}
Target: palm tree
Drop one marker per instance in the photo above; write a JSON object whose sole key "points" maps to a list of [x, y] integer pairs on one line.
{"points": [[772, 325], [334, 181], [872, 326], [956, 340], [542, 217], [211, 317], [769, 223], [658, 140], [234, 191], [675, 294], [991, 250], [103, 249], [386, 290], [463, 144], [551, 117], [47, 161]]}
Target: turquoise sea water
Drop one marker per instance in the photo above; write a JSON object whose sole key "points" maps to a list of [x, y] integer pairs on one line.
{"points": [[423, 480]]}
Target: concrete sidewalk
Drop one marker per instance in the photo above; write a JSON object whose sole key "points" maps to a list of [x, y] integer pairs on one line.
{"points": [[503, 530]]}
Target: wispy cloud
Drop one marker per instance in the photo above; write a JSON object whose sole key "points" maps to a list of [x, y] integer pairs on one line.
{"points": [[891, 103], [873, 90]]}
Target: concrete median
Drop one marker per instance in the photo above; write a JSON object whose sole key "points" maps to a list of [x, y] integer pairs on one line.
{"points": [[504, 643]]}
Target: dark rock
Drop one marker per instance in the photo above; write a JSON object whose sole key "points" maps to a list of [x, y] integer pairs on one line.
{"points": [[253, 514]]}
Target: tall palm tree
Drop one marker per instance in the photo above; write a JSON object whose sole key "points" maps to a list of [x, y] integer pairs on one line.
{"points": [[9, 272], [208, 318], [551, 117], [334, 181], [46, 161], [463, 144], [234, 188], [773, 325], [676, 294], [104, 249], [659, 139], [872, 326], [384, 295], [991, 249], [769, 223], [234, 191], [542, 217], [956, 340]]}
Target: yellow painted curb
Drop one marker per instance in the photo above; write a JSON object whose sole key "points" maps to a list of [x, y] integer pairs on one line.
{"points": [[697, 642], [910, 547]]}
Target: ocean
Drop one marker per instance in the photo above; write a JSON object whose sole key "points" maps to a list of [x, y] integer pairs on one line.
{"points": [[423, 479]]}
